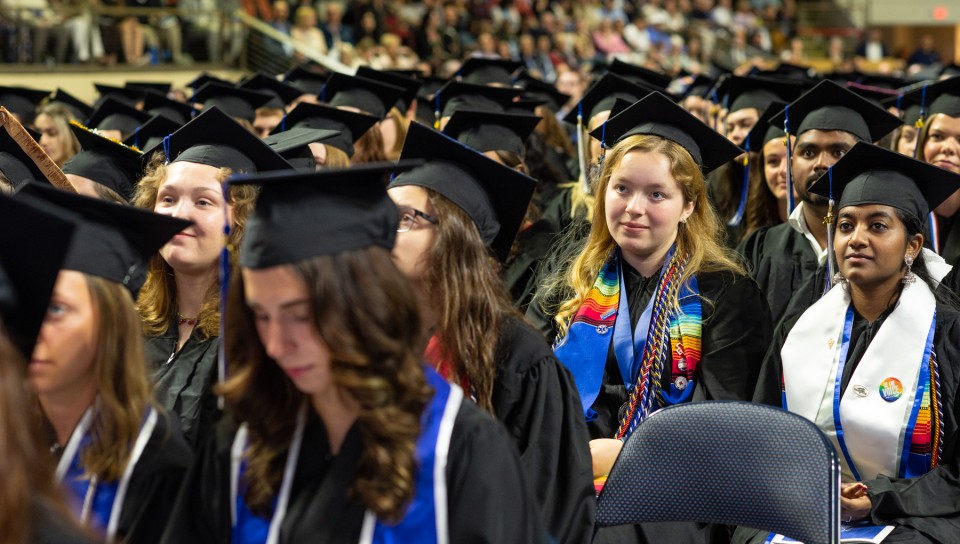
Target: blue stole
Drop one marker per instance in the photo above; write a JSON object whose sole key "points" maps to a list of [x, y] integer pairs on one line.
{"points": [[420, 522], [78, 486]]}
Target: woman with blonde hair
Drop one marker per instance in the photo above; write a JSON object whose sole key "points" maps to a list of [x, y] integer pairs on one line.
{"points": [[120, 459], [337, 433], [180, 301], [459, 215], [654, 310], [56, 138]]}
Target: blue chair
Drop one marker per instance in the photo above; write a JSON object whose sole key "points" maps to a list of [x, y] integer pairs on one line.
{"points": [[735, 463]]}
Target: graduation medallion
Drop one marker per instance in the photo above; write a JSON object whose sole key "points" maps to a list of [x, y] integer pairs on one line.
{"points": [[680, 383], [891, 389], [602, 329], [860, 391]]}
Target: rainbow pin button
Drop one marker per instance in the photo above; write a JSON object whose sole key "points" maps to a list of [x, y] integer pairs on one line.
{"points": [[891, 389]]}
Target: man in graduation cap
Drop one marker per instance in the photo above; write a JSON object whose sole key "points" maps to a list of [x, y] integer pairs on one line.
{"points": [[828, 121]]}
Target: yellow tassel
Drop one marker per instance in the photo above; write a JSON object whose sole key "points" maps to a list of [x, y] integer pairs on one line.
{"points": [[919, 123]]}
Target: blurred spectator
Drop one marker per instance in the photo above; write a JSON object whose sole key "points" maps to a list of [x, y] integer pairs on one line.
{"points": [[29, 25], [722, 13], [535, 60], [610, 10], [306, 33], [83, 33], [637, 36], [333, 28], [570, 82], [872, 47], [926, 53], [608, 39]]}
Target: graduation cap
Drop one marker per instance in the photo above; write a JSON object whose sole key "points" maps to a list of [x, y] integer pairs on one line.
{"points": [[791, 71], [639, 74], [215, 139], [601, 95], [494, 196], [870, 174], [178, 112], [764, 130], [111, 241], [104, 161], [949, 70], [485, 131], [657, 114], [410, 85], [281, 93], [79, 108], [483, 71], [294, 145], [307, 81], [22, 102], [458, 95], [350, 125], [700, 86], [150, 86], [757, 92], [881, 81], [537, 89], [940, 97], [875, 95], [302, 215], [15, 164], [29, 266], [129, 96], [205, 78], [908, 107], [829, 106], [234, 101], [367, 95], [150, 134], [115, 115]]}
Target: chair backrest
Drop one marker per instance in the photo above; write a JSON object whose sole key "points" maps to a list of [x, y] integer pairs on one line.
{"points": [[733, 463]]}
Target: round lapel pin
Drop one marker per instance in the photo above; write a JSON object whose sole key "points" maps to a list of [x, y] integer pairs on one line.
{"points": [[891, 389]]}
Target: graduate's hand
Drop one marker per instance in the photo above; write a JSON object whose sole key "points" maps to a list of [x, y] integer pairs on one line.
{"points": [[604, 452], [854, 502]]}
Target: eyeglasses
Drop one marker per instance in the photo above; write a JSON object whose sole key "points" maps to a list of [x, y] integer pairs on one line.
{"points": [[408, 218]]}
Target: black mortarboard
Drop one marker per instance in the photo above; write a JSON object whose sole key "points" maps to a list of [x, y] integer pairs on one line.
{"points": [[525, 105], [205, 78], [22, 101], [907, 105], [115, 115], [307, 81], [281, 93], [152, 86], [29, 265], [109, 163], [700, 86], [429, 86], [757, 92], [875, 95], [949, 70], [79, 108], [535, 88], [639, 74], [368, 96], [303, 215], [15, 164], [458, 95], [235, 102], [940, 97], [178, 112], [764, 131], [601, 95], [657, 114], [129, 96], [294, 145], [483, 71], [215, 139], [111, 241], [409, 85], [151, 133], [351, 125], [881, 81], [791, 71], [829, 106], [485, 131], [494, 196], [870, 174]]}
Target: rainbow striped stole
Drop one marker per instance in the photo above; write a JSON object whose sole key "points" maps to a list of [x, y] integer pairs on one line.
{"points": [[926, 441]]}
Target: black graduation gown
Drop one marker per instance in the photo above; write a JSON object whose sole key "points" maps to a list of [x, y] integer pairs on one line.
{"points": [[536, 399], [51, 526], [949, 240], [926, 508], [736, 334], [488, 497], [519, 274], [780, 259], [184, 380]]}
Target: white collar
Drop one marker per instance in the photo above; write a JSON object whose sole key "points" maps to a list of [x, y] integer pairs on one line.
{"points": [[798, 223]]}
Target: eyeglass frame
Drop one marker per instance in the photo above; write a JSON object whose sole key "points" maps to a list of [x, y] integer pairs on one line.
{"points": [[416, 213]]}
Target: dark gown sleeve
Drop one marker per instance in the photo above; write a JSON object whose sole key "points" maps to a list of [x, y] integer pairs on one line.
{"points": [[736, 336], [930, 504], [536, 399], [769, 388], [155, 484]]}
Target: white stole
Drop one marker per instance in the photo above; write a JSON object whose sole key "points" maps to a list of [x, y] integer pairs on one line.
{"points": [[873, 429]]}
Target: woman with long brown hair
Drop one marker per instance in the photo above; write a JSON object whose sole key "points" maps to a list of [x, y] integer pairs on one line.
{"points": [[120, 458], [460, 213], [180, 301], [31, 506], [56, 138], [654, 310], [337, 433], [766, 204]]}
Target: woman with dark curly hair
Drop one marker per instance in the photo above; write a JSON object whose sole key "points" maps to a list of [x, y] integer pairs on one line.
{"points": [[180, 301], [338, 433]]}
